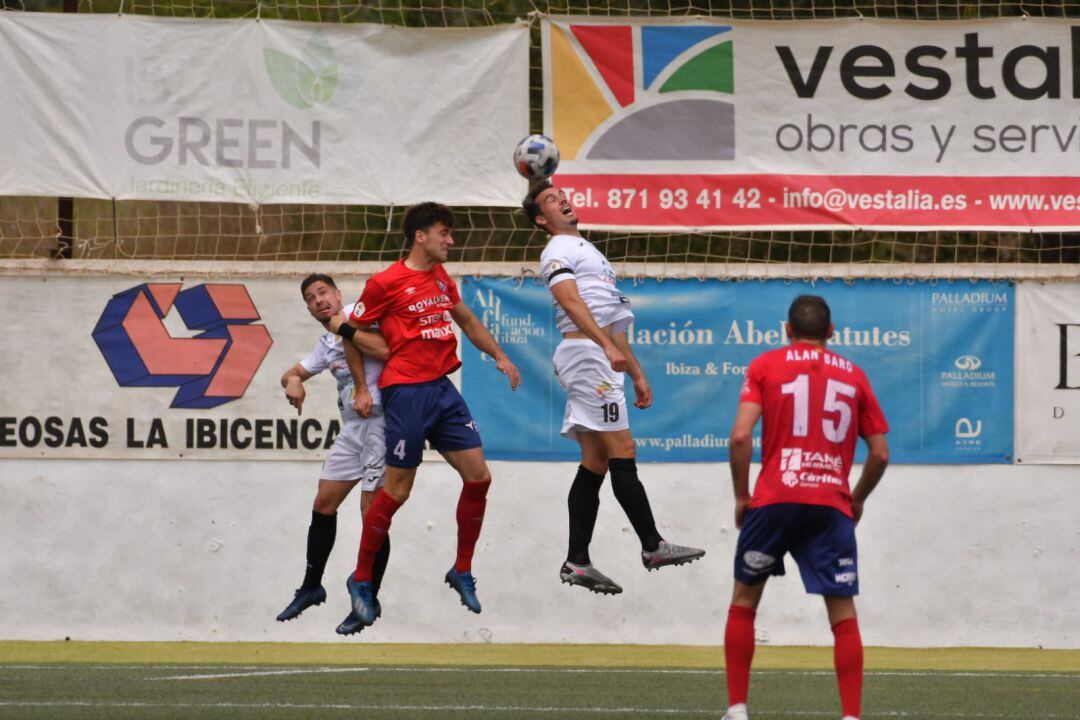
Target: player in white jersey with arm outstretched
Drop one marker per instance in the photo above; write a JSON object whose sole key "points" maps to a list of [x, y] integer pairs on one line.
{"points": [[590, 362], [358, 452]]}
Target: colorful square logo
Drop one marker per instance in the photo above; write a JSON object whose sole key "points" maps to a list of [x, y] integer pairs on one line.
{"points": [[646, 93]]}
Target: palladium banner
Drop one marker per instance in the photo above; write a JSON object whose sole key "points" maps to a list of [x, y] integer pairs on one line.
{"points": [[145, 108], [697, 123], [939, 357]]}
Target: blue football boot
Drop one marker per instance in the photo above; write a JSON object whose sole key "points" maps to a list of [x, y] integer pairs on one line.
{"points": [[465, 585], [363, 607], [302, 600]]}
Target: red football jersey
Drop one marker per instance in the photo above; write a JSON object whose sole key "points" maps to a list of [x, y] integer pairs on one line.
{"points": [[815, 405], [412, 308]]}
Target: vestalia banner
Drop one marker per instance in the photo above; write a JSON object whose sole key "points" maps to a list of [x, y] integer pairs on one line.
{"points": [[698, 123], [147, 108]]}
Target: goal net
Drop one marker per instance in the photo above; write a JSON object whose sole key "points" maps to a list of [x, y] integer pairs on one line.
{"points": [[78, 228]]}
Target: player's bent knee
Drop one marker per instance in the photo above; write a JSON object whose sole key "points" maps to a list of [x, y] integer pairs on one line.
{"points": [[401, 494], [324, 507], [483, 476], [620, 444], [327, 503], [600, 467]]}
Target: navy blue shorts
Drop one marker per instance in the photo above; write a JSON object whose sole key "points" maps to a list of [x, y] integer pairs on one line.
{"points": [[820, 538], [432, 411]]}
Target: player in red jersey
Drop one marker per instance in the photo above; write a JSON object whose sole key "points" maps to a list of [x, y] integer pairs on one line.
{"points": [[414, 302], [813, 405]]}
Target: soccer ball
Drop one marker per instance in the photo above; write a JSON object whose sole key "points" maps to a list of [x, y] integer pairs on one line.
{"points": [[536, 157]]}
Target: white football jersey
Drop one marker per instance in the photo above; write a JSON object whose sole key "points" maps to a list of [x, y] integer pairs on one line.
{"points": [[329, 354], [569, 257]]}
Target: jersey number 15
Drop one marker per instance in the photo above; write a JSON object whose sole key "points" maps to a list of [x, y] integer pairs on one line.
{"points": [[835, 402]]}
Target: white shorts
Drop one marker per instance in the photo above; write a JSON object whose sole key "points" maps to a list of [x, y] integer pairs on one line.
{"points": [[595, 401], [359, 453]]}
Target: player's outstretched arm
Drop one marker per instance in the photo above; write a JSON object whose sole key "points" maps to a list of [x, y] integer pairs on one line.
{"points": [[362, 400], [877, 459], [740, 452], [480, 337], [371, 343], [567, 295], [293, 382], [642, 389]]}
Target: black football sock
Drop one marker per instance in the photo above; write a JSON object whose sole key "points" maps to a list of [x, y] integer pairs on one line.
{"points": [[320, 541], [378, 567], [635, 503], [583, 503]]}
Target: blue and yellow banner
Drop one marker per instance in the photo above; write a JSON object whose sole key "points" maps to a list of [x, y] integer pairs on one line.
{"points": [[939, 356]]}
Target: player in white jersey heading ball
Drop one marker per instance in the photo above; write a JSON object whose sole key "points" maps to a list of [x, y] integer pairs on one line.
{"points": [[358, 453], [590, 362]]}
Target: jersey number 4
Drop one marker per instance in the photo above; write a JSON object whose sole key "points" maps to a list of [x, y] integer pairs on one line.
{"points": [[835, 402]]}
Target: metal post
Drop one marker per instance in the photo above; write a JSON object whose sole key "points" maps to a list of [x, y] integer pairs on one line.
{"points": [[65, 206]]}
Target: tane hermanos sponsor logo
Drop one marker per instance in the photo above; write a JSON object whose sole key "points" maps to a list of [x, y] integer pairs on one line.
{"points": [[212, 368], [646, 93]]}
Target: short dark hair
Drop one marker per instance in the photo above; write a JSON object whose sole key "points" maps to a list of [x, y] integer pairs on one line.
{"points": [[809, 317], [314, 278], [529, 204], [421, 217]]}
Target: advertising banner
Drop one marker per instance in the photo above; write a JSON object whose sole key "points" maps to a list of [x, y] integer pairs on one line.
{"points": [[938, 355], [696, 123], [162, 369], [148, 108], [1048, 372]]}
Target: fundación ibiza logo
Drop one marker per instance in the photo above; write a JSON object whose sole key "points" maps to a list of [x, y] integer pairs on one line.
{"points": [[642, 92], [306, 81], [212, 368]]}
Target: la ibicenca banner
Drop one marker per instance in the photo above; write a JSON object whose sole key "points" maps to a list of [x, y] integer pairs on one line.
{"points": [[697, 123], [939, 356], [260, 111], [161, 368]]}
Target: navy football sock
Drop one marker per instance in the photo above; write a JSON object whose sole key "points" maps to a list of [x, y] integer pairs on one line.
{"points": [[320, 541], [583, 503], [378, 568], [635, 503]]}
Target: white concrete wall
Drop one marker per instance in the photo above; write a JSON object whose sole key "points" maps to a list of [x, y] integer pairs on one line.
{"points": [[202, 550]]}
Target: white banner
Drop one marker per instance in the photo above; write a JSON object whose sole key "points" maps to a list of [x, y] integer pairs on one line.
{"points": [[697, 123], [161, 369], [130, 107], [1048, 373]]}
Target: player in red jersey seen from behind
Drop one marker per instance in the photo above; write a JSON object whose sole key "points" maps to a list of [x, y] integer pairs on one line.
{"points": [[813, 404], [414, 302]]}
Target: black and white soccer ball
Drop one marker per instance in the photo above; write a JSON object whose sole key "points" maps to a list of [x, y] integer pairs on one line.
{"points": [[536, 157]]}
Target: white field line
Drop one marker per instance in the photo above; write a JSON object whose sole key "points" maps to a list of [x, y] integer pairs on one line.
{"points": [[257, 673], [261, 670], [525, 709]]}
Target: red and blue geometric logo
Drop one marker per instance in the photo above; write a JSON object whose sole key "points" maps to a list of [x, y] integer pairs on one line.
{"points": [[212, 368]]}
